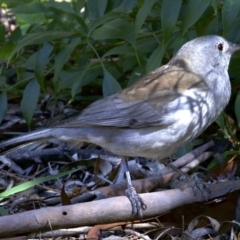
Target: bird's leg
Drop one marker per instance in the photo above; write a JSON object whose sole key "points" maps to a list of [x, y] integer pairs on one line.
{"points": [[136, 201], [199, 154]]}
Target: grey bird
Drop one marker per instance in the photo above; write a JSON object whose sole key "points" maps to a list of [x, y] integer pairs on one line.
{"points": [[159, 113]]}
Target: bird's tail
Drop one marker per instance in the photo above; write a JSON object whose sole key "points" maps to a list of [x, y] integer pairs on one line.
{"points": [[26, 138]]}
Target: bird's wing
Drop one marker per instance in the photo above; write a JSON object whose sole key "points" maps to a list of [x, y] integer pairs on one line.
{"points": [[143, 104]]}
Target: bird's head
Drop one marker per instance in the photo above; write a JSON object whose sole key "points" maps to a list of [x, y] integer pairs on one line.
{"points": [[206, 53]]}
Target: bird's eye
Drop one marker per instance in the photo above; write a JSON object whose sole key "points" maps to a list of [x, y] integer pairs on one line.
{"points": [[220, 46]]}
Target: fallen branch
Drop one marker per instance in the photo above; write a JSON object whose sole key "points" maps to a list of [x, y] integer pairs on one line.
{"points": [[106, 211]]}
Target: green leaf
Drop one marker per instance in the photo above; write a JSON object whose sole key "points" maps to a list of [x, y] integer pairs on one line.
{"points": [[31, 19], [28, 8], [193, 11], [16, 35], [15, 3], [38, 38], [6, 50], [116, 29], [78, 5], [110, 84], [137, 73], [107, 17], [66, 20], [226, 155], [3, 105], [221, 121], [169, 15], [127, 5], [61, 58], [214, 4], [151, 42], [142, 15], [155, 59], [65, 6], [42, 59], [30, 100], [78, 82], [237, 108], [3, 33], [230, 12], [92, 74], [24, 186], [213, 27], [126, 50], [95, 8]]}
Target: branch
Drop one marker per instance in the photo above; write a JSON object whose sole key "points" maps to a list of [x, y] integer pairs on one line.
{"points": [[106, 211]]}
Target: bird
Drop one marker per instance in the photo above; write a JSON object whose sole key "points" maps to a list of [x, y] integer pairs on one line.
{"points": [[160, 112]]}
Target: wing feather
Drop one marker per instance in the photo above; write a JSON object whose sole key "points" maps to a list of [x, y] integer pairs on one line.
{"points": [[143, 104]]}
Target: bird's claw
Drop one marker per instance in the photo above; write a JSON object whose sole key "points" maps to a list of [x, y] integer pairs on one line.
{"points": [[136, 201], [198, 184]]}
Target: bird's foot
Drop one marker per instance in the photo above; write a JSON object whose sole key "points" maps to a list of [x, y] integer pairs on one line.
{"points": [[136, 201], [197, 183]]}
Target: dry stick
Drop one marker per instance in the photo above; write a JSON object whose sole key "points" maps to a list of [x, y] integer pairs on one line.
{"points": [[185, 163], [85, 230], [105, 211], [194, 154], [169, 174], [148, 184]]}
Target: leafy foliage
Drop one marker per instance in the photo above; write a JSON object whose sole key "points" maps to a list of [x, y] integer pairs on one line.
{"points": [[67, 48]]}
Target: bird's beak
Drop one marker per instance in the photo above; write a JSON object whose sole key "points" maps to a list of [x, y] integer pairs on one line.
{"points": [[234, 47]]}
